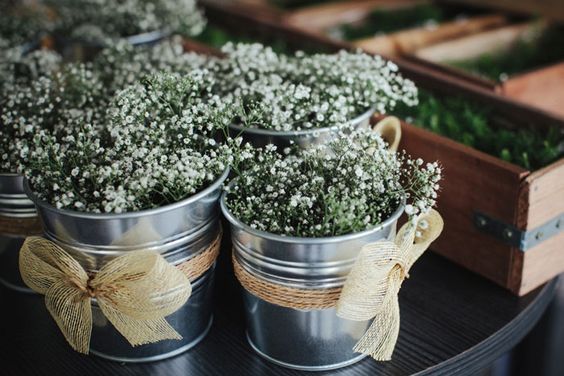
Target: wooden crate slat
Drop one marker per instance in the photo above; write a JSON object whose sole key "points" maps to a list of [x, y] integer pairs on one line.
{"points": [[472, 46], [546, 195], [542, 88], [494, 189], [411, 40], [541, 263], [326, 15]]}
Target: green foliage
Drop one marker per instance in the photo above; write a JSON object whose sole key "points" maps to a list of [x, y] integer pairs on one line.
{"points": [[387, 21], [216, 37], [470, 124], [546, 47]]}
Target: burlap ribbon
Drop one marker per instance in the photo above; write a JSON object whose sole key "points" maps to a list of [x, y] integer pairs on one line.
{"points": [[135, 291], [371, 289]]}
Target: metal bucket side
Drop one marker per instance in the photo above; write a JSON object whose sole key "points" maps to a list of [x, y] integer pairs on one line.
{"points": [[303, 138], [302, 339], [173, 250], [9, 264], [175, 240], [134, 230], [192, 321], [316, 340], [81, 50], [14, 203], [294, 261]]}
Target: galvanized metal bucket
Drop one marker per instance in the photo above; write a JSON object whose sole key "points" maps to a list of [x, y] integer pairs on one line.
{"points": [[79, 50], [312, 340], [14, 204], [303, 139], [178, 232]]}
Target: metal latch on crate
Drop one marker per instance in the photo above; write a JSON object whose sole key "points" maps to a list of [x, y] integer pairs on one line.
{"points": [[511, 235]]}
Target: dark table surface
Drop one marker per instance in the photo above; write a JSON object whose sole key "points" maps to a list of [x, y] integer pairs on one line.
{"points": [[452, 323]]}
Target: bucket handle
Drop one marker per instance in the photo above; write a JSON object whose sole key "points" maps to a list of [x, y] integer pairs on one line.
{"points": [[390, 130]]}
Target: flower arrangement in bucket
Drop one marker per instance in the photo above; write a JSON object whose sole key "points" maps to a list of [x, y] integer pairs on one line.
{"points": [[41, 95], [305, 99], [315, 247], [139, 21], [24, 84], [147, 181]]}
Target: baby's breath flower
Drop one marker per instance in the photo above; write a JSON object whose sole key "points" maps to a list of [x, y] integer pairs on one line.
{"points": [[158, 147], [349, 185], [102, 21], [286, 93]]}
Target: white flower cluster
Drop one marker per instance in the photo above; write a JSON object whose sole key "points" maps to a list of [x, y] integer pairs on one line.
{"points": [[49, 102], [38, 92], [25, 68], [160, 146], [104, 20], [287, 93], [123, 64], [351, 184]]}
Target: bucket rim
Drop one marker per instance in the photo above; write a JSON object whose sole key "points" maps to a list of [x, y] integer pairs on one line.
{"points": [[303, 132], [216, 184], [305, 240]]}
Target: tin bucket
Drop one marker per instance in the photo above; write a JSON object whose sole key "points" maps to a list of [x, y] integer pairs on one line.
{"points": [[80, 50], [309, 340], [178, 232], [14, 205], [303, 139]]}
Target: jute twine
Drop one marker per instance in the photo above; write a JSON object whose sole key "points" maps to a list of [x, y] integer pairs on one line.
{"points": [[284, 296], [195, 267], [125, 289], [371, 289], [20, 226]]}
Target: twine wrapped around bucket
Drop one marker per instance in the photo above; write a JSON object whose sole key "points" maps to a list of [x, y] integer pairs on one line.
{"points": [[25, 226], [126, 289], [371, 289]]}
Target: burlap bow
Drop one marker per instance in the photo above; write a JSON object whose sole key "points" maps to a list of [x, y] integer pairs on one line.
{"points": [[135, 292], [372, 287]]}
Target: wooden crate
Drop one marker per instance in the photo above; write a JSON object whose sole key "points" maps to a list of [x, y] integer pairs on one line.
{"points": [[553, 9], [493, 209], [540, 87], [489, 205], [321, 18]]}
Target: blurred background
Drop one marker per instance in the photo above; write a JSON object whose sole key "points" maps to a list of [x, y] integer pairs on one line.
{"points": [[491, 80]]}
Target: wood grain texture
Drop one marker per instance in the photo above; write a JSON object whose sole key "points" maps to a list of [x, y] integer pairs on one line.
{"points": [[541, 88], [418, 39], [472, 46], [472, 181], [453, 322], [325, 15], [545, 194], [542, 262]]}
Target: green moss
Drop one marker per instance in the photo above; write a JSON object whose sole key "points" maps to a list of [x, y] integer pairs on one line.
{"points": [[387, 21], [471, 124], [216, 37], [526, 54]]}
